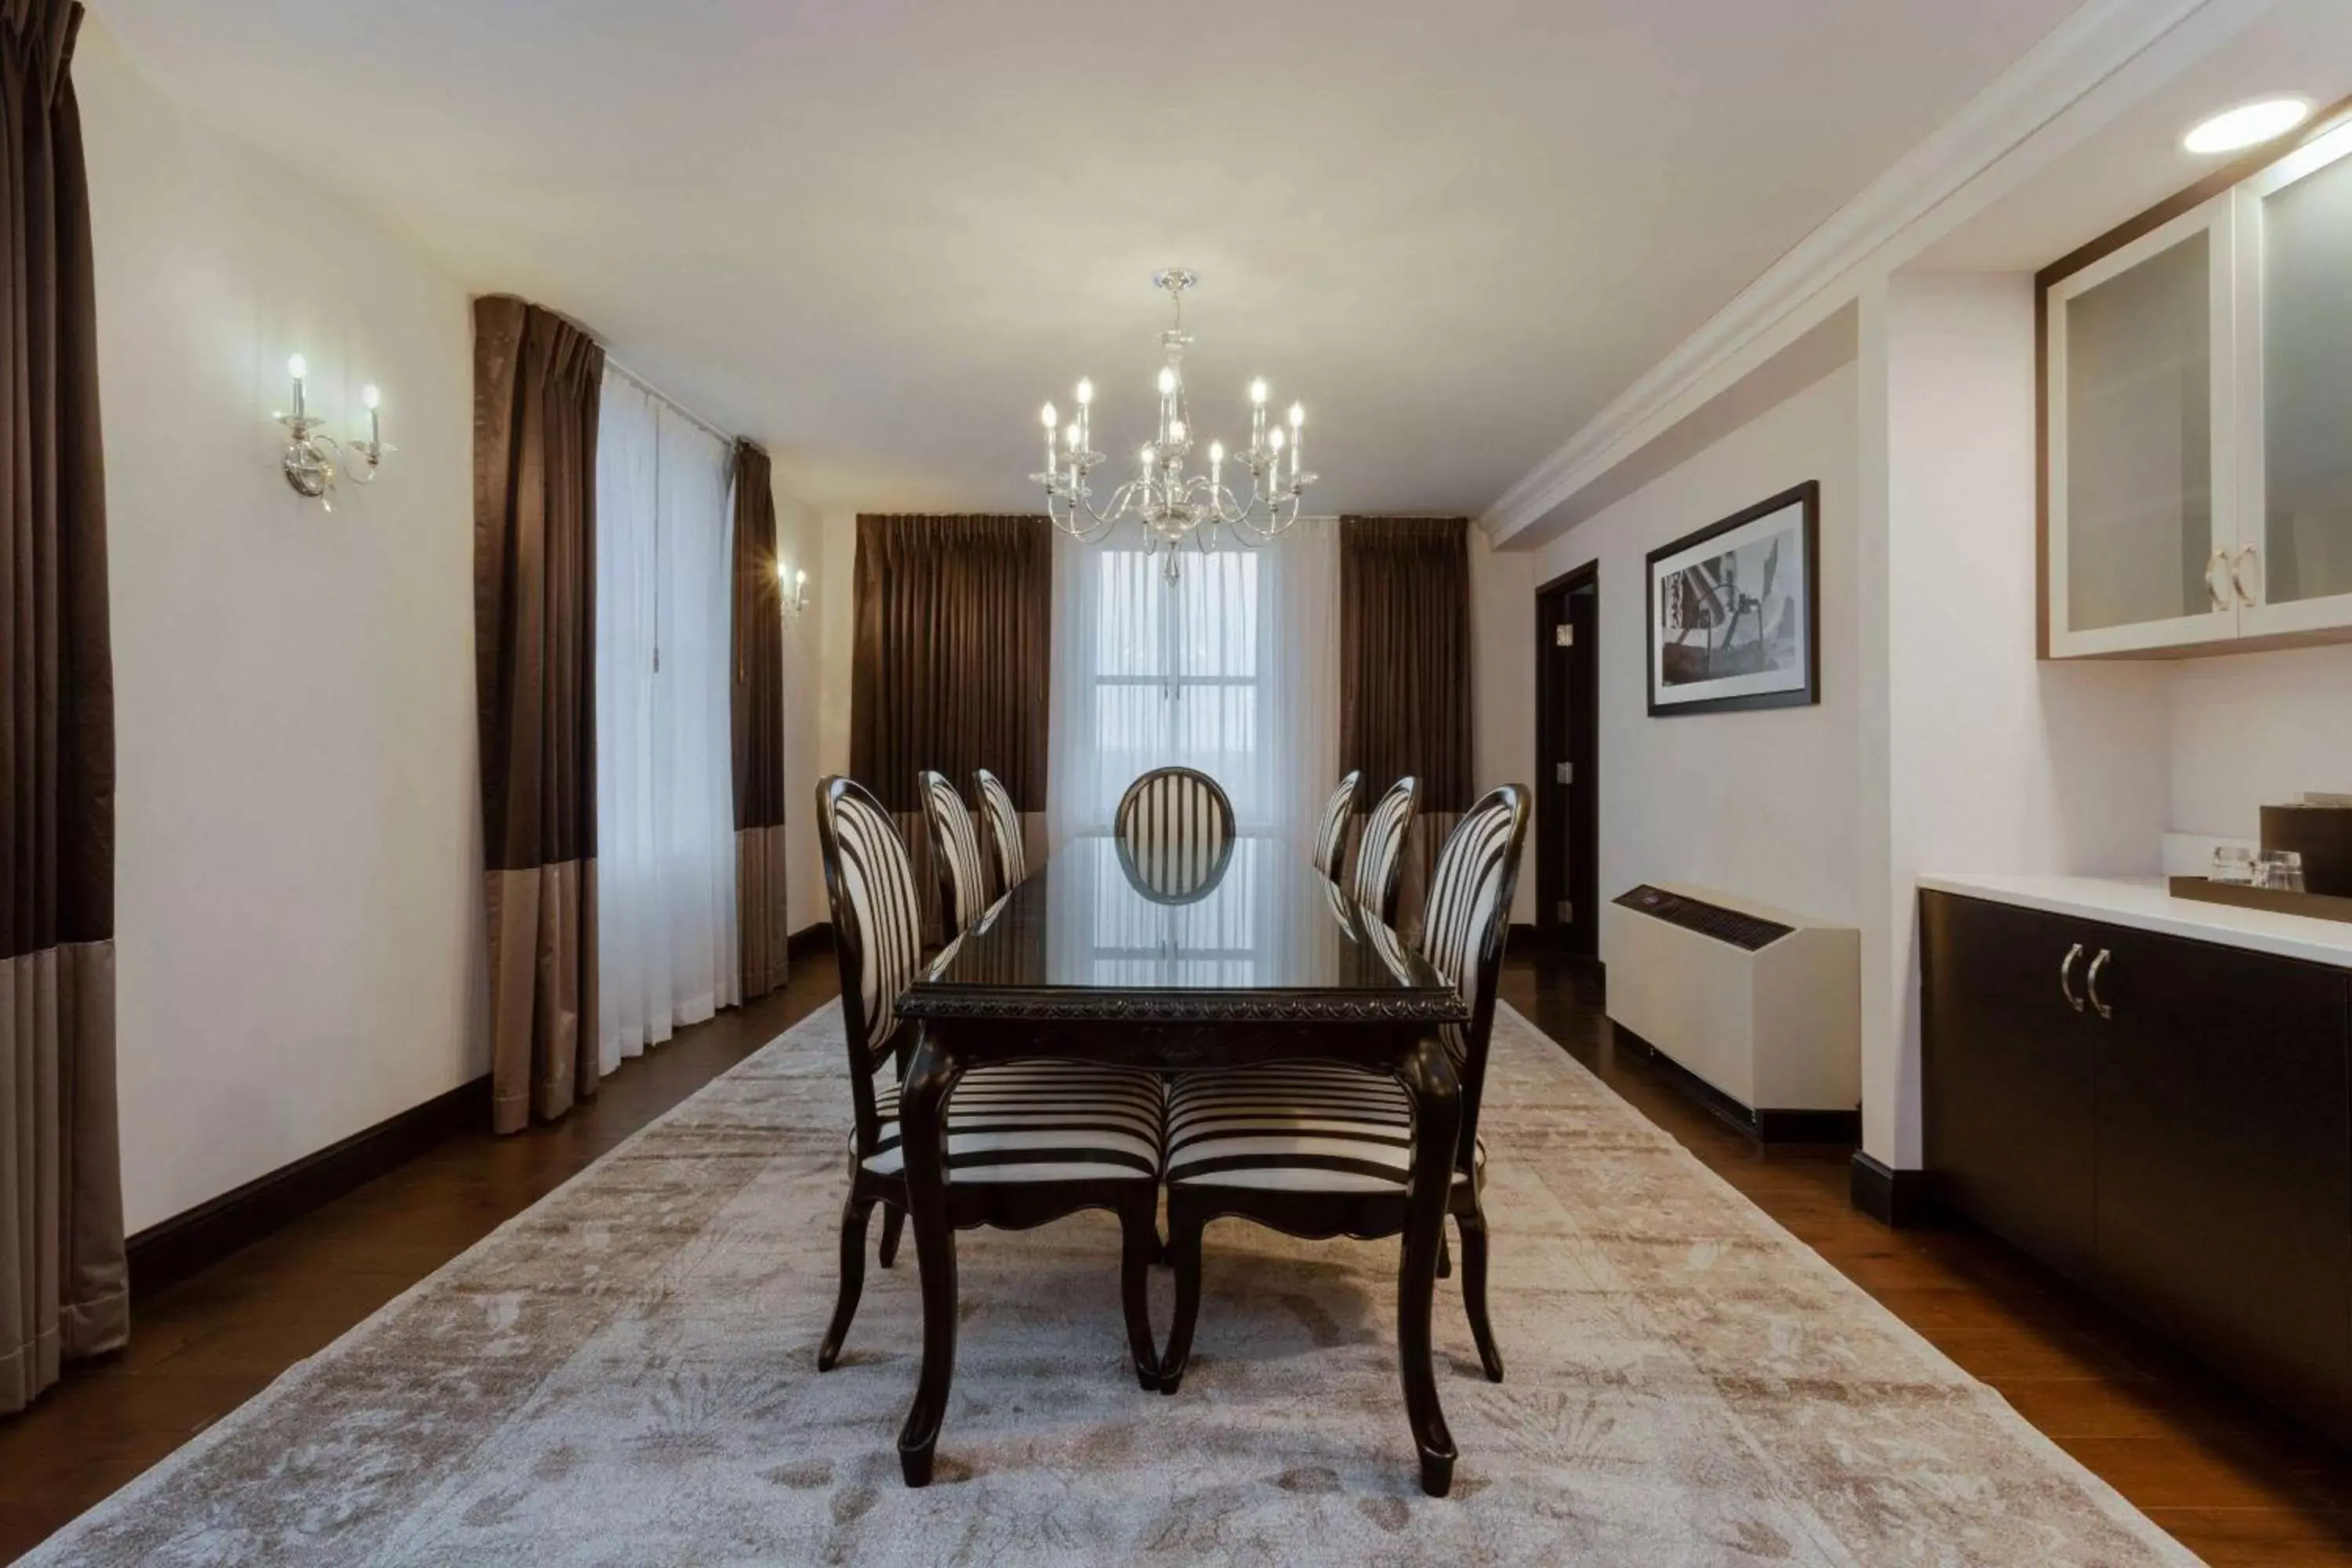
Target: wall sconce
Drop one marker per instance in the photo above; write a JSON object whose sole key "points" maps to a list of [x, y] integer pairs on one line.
{"points": [[312, 457], [792, 589]]}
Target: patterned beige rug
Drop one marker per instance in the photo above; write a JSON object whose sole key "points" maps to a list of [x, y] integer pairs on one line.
{"points": [[625, 1375]]}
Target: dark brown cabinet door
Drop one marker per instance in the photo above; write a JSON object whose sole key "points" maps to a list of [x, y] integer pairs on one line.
{"points": [[2007, 1061], [2224, 1161]]}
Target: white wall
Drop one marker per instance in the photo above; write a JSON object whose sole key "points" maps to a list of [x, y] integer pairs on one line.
{"points": [[1975, 755], [299, 861], [2254, 729], [1760, 803]]}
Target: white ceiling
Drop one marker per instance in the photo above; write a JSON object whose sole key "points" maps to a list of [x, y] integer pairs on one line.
{"points": [[877, 234], [2299, 46]]}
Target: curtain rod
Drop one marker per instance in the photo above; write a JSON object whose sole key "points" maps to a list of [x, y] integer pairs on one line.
{"points": [[683, 412]]}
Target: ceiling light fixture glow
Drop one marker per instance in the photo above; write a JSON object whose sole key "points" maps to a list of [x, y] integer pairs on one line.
{"points": [[2248, 125]]}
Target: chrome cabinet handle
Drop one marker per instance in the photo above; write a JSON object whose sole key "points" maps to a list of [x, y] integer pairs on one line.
{"points": [[2090, 983], [2238, 577], [2066, 974], [2219, 596]]}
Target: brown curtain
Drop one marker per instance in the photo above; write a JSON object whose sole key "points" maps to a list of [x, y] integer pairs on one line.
{"points": [[536, 385], [63, 1281], [1404, 673], [953, 662], [759, 728]]}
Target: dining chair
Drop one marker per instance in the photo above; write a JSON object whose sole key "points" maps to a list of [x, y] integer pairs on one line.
{"points": [[1027, 1141], [1003, 829], [1318, 1149], [1331, 831], [955, 851], [1176, 824], [1379, 852]]}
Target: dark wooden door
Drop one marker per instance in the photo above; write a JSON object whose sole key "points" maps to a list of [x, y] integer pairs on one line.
{"points": [[2225, 1157], [1567, 759], [2008, 1064]]}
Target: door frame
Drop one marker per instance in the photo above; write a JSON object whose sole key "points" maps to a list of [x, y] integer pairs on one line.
{"points": [[1566, 733]]}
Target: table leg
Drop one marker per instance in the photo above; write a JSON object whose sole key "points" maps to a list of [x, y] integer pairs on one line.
{"points": [[922, 1124], [1428, 1077]]}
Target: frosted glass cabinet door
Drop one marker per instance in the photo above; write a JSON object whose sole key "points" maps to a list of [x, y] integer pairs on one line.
{"points": [[2294, 562], [2140, 417]]}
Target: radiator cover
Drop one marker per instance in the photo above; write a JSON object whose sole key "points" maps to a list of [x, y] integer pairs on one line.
{"points": [[1762, 1004]]}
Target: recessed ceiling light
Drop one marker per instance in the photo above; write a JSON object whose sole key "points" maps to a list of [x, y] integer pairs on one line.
{"points": [[2248, 125]]}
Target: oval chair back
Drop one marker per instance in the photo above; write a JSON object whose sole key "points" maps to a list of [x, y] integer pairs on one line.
{"points": [[1379, 853], [1003, 829], [878, 931], [955, 850], [1176, 827], [1331, 830], [1465, 923]]}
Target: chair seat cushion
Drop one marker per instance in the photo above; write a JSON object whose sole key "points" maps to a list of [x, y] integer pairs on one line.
{"points": [[1292, 1127], [1040, 1121]]}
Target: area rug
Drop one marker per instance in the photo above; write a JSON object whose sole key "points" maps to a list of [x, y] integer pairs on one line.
{"points": [[627, 1373]]}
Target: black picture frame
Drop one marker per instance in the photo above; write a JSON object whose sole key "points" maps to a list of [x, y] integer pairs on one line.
{"points": [[1807, 495]]}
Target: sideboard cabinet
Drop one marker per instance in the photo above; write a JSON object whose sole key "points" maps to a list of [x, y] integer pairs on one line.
{"points": [[2167, 1123]]}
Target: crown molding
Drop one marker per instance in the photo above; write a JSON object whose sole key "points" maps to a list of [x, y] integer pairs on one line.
{"points": [[2086, 49]]}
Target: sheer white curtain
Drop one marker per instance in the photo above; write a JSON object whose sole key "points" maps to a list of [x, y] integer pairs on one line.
{"points": [[1232, 670], [665, 782]]}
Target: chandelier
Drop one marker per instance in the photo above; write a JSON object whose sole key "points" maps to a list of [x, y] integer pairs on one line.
{"points": [[1172, 505]]}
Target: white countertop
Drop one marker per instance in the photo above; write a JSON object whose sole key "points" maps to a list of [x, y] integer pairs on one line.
{"points": [[2143, 904]]}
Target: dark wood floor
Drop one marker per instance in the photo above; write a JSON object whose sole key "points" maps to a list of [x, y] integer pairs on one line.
{"points": [[2233, 1482]]}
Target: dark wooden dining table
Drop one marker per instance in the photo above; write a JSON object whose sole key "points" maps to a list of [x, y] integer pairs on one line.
{"points": [[1268, 961]]}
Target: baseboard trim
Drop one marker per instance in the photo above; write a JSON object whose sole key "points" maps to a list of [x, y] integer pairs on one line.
{"points": [[1766, 1124], [810, 939], [175, 1249], [1896, 1198]]}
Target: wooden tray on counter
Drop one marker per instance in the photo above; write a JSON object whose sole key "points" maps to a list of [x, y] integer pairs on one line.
{"points": [[2318, 906]]}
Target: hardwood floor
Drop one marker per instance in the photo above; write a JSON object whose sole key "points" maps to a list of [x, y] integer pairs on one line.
{"points": [[202, 1347], [2235, 1483]]}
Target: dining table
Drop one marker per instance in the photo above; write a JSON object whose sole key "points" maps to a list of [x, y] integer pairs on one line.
{"points": [[1265, 961]]}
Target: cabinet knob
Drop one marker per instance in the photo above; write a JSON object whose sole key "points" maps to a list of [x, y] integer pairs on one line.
{"points": [[2090, 983], [2219, 595], [2237, 576], [2067, 976]]}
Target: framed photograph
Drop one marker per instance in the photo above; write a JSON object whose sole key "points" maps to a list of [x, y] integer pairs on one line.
{"points": [[1735, 610]]}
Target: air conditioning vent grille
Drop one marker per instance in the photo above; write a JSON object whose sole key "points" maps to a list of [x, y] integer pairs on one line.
{"points": [[1742, 930]]}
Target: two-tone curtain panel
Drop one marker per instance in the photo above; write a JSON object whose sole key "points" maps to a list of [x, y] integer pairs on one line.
{"points": [[762, 915], [536, 389], [63, 1281], [953, 662], [1404, 673]]}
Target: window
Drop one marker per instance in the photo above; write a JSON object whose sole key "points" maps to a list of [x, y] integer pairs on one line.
{"points": [[1232, 669]]}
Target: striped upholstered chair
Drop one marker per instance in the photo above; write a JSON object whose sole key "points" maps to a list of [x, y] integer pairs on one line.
{"points": [[1379, 853], [1322, 1149], [955, 851], [1331, 829], [1176, 828], [1027, 1141], [1003, 830]]}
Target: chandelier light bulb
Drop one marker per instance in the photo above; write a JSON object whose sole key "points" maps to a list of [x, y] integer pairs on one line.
{"points": [[1274, 439], [1167, 381], [780, 571], [1297, 415], [799, 578], [1086, 392], [298, 367], [369, 396], [1216, 454], [1073, 435], [1147, 456], [1257, 391], [1176, 430], [1048, 418]]}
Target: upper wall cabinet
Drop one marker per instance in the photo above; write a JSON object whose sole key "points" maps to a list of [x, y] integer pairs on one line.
{"points": [[2198, 415]]}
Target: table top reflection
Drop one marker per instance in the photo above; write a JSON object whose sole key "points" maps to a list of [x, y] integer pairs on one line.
{"points": [[1267, 937]]}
